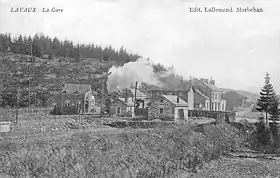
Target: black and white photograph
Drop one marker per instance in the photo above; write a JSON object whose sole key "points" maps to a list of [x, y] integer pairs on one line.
{"points": [[139, 88]]}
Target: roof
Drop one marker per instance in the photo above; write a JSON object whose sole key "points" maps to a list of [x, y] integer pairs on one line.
{"points": [[76, 88], [173, 100], [203, 95], [183, 86], [122, 100], [138, 93], [65, 96], [211, 86], [131, 93]]}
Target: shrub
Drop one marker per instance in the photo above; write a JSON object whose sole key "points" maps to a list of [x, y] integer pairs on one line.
{"points": [[158, 152], [70, 110], [263, 134]]}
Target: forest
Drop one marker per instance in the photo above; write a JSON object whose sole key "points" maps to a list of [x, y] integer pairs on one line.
{"points": [[55, 62]]}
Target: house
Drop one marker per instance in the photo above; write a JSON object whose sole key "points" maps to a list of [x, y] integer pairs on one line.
{"points": [[186, 92], [122, 107], [208, 96], [170, 107], [141, 98], [79, 96]]}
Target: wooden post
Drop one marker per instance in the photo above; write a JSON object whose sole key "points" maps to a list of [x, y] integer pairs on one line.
{"points": [[102, 89], [135, 97], [17, 119]]}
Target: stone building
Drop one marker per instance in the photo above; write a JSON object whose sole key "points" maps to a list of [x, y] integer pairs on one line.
{"points": [[122, 107], [78, 96], [169, 107]]}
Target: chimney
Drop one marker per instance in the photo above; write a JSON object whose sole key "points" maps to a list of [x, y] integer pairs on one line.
{"points": [[177, 99], [125, 99]]}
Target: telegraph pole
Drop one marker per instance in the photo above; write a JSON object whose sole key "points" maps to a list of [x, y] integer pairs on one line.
{"points": [[18, 97], [135, 96], [29, 82], [102, 87]]}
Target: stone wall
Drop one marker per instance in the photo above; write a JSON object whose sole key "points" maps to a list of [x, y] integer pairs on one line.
{"points": [[154, 109]]}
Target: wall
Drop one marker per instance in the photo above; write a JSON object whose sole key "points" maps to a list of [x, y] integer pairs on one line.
{"points": [[177, 117], [168, 109], [191, 99], [115, 105], [27, 112]]}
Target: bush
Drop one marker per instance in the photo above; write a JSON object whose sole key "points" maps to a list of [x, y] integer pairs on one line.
{"points": [[263, 133], [70, 110], [159, 152]]}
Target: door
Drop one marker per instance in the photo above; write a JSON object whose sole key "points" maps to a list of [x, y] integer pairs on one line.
{"points": [[86, 107], [181, 114]]}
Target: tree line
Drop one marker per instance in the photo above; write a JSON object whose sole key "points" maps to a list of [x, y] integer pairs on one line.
{"points": [[43, 45]]}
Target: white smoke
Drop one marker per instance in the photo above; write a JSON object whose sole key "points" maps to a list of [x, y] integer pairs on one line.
{"points": [[140, 71]]}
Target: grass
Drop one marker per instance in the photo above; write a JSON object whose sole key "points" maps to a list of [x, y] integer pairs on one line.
{"points": [[166, 151], [239, 167]]}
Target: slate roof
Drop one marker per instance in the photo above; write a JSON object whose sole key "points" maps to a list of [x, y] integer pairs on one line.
{"points": [[76, 88], [65, 96], [201, 94], [184, 86], [173, 100], [129, 103], [131, 93]]}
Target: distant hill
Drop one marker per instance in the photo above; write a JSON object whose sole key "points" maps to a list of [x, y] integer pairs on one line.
{"points": [[49, 75], [251, 96]]}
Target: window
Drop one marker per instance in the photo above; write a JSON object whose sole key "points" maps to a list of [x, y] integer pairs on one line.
{"points": [[161, 110], [118, 110], [161, 100]]}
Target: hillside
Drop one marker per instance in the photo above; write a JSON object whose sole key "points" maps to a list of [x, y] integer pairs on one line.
{"points": [[251, 96], [49, 74]]}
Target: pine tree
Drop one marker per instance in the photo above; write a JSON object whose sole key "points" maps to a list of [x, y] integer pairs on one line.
{"points": [[274, 111], [267, 101]]}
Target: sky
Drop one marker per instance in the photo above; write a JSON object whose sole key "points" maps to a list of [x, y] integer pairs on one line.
{"points": [[235, 49]]}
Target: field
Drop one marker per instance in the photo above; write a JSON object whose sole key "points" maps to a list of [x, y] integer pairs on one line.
{"points": [[83, 147]]}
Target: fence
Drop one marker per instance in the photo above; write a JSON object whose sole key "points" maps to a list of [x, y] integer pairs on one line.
{"points": [[141, 112], [28, 112], [210, 114]]}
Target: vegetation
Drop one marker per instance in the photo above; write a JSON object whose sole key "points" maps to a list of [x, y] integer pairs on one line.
{"points": [[162, 152], [268, 101], [55, 62]]}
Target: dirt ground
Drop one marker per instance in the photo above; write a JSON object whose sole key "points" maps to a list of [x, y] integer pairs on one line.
{"points": [[235, 167]]}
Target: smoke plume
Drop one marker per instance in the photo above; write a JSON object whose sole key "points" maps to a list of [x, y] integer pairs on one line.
{"points": [[140, 71]]}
